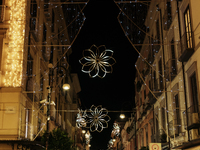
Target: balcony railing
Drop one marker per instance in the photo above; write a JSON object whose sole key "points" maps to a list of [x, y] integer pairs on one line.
{"points": [[158, 86], [174, 127], [170, 69], [187, 48], [159, 137], [193, 115]]}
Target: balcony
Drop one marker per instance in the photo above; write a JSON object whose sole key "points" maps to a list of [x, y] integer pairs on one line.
{"points": [[170, 69], [187, 49], [131, 131], [167, 19], [158, 86], [159, 137], [193, 115], [174, 127]]}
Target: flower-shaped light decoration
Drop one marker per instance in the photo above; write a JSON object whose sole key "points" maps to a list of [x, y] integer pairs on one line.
{"points": [[88, 137], [116, 129], [97, 61], [97, 118], [81, 119]]}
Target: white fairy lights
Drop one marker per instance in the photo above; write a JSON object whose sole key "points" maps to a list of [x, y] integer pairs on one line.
{"points": [[14, 52]]}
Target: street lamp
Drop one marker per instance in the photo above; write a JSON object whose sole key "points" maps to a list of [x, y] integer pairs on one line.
{"points": [[66, 86], [122, 116]]}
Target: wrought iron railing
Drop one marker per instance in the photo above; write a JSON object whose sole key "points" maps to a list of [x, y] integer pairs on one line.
{"points": [[174, 127], [170, 69]]}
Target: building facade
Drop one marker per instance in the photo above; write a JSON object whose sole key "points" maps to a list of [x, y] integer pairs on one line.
{"points": [[167, 78], [35, 44]]}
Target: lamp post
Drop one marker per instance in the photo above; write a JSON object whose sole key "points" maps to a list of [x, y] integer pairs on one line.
{"points": [[66, 86]]}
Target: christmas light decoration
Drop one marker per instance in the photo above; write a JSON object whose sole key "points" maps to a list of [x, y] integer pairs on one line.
{"points": [[14, 53], [97, 118], [97, 63], [80, 121], [88, 137], [116, 129]]}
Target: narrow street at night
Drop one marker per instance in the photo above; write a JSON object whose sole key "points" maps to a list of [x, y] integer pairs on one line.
{"points": [[99, 75]]}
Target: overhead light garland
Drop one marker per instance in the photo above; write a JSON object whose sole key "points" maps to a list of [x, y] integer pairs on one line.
{"points": [[96, 118], [97, 63]]}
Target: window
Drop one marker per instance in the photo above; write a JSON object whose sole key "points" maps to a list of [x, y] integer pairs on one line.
{"points": [[188, 29], [29, 64], [160, 74], [41, 85], [52, 21], [194, 93], [167, 16], [158, 31], [46, 5], [147, 135], [144, 94], [44, 33], [174, 63], [154, 79], [163, 118], [51, 54], [177, 113], [33, 9]]}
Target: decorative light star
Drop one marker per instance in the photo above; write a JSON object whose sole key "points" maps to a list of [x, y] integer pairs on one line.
{"points": [[80, 121], [97, 63], [98, 118]]}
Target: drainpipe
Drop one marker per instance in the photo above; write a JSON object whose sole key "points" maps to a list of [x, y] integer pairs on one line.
{"points": [[183, 68], [164, 68]]}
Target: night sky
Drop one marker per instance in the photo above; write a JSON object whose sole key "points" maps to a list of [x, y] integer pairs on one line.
{"points": [[102, 28]]}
